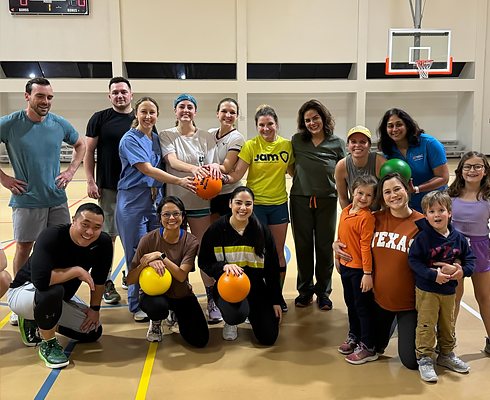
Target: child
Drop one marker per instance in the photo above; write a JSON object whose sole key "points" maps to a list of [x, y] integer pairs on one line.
{"points": [[470, 194], [431, 257], [356, 230]]}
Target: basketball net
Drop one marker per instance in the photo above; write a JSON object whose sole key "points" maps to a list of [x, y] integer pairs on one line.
{"points": [[423, 66]]}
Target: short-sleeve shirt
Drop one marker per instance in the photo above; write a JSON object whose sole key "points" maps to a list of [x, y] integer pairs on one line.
{"points": [[54, 249], [135, 147], [34, 150], [314, 169], [108, 126], [393, 279], [232, 141], [182, 252], [422, 159], [198, 149], [268, 162]]}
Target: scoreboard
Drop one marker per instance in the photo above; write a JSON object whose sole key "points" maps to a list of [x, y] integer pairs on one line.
{"points": [[48, 7]]}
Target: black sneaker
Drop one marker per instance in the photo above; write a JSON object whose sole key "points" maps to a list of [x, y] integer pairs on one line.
{"points": [[124, 284], [303, 301], [110, 293], [284, 306], [29, 331], [324, 303]]}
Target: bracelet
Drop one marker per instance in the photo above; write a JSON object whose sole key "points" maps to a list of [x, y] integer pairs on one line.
{"points": [[368, 273], [226, 178], [95, 308]]}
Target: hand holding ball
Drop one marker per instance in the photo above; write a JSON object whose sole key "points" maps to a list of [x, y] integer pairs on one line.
{"points": [[233, 288], [208, 187], [153, 284]]}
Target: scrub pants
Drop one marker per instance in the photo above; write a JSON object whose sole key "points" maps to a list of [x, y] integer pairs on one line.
{"points": [[135, 217]]}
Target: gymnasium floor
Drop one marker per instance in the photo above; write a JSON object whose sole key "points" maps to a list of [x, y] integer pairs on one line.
{"points": [[304, 363]]}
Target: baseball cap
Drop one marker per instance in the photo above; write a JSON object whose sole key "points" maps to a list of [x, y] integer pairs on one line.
{"points": [[360, 129]]}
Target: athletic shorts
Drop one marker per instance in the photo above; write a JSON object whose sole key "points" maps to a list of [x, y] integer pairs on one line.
{"points": [[221, 204], [272, 215], [107, 202], [480, 247], [198, 213], [28, 223]]}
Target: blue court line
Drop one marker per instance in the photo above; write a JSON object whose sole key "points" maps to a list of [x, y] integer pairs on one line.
{"points": [[288, 253], [53, 375], [8, 241], [118, 268]]}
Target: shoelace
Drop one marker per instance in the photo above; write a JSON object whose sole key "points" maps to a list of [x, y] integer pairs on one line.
{"points": [[156, 328]]}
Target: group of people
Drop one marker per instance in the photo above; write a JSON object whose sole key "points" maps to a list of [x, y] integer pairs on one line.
{"points": [[242, 230]]}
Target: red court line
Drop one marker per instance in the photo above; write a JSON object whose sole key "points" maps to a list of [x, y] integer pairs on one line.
{"points": [[76, 202]]}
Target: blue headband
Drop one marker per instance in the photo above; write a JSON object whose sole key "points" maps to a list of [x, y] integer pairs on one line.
{"points": [[183, 97]]}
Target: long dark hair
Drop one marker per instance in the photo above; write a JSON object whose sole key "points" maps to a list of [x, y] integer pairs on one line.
{"points": [[253, 221], [457, 187], [327, 118], [179, 203], [385, 143]]}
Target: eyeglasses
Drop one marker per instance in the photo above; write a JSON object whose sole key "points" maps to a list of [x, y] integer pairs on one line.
{"points": [[476, 167], [167, 215]]}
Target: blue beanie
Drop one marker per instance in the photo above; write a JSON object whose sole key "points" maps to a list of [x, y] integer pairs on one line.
{"points": [[183, 97]]}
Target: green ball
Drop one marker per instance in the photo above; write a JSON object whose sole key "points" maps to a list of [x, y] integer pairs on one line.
{"points": [[396, 165]]}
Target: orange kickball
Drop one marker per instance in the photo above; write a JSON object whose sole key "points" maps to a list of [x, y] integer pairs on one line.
{"points": [[232, 288], [207, 188]]}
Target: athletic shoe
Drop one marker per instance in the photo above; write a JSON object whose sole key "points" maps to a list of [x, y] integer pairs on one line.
{"points": [[487, 346], [140, 316], [426, 369], [172, 322], [230, 332], [155, 333], [303, 301], [453, 363], [52, 354], [247, 321], [14, 319], [213, 312], [124, 284], [284, 305], [110, 293], [324, 303], [349, 345], [361, 355], [29, 332]]}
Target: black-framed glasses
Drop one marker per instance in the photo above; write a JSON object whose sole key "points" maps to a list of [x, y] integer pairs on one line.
{"points": [[476, 167], [167, 215]]}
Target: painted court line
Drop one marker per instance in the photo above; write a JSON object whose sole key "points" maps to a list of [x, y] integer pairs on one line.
{"points": [[146, 375], [470, 310], [5, 320]]}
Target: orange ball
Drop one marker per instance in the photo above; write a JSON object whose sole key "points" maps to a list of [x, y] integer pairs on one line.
{"points": [[208, 187], [233, 288]]}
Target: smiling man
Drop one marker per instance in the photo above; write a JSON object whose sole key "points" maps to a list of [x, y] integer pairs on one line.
{"points": [[43, 293]]}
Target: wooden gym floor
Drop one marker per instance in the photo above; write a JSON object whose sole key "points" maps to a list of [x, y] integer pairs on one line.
{"points": [[304, 363]]}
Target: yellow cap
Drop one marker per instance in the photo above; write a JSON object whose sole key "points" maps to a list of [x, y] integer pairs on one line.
{"points": [[360, 129]]}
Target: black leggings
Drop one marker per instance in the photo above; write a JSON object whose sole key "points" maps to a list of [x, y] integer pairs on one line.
{"points": [[407, 322], [257, 307], [192, 322]]}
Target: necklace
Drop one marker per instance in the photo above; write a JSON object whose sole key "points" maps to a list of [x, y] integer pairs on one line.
{"points": [[240, 231]]}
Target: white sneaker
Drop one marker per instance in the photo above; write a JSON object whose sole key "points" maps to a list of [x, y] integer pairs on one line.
{"points": [[230, 332], [453, 363], [140, 316], [14, 319], [155, 333], [247, 321], [426, 369]]}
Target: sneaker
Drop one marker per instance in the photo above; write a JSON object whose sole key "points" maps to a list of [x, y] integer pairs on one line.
{"points": [[213, 312], [155, 333], [110, 293], [426, 369], [140, 316], [324, 303], [487, 346], [349, 345], [361, 355], [29, 332], [14, 319], [303, 301], [124, 284], [284, 305], [172, 322], [230, 332], [247, 321], [52, 354], [453, 363]]}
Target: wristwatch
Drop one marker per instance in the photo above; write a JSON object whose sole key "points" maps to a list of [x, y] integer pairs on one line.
{"points": [[162, 256], [417, 189]]}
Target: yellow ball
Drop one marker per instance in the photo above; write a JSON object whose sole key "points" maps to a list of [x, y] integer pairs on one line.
{"points": [[153, 284]]}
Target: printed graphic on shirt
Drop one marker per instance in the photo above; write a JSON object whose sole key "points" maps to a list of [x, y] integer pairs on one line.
{"points": [[272, 158], [391, 240]]}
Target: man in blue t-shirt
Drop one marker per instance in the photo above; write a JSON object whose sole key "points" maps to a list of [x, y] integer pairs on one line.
{"points": [[33, 139]]}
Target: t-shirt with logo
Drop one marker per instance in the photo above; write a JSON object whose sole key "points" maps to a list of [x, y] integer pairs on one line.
{"points": [[393, 279], [268, 162]]}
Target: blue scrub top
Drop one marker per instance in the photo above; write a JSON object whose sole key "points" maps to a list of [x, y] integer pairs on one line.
{"points": [[422, 158], [135, 147]]}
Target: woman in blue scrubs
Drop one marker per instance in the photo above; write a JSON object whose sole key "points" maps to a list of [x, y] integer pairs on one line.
{"points": [[139, 186]]}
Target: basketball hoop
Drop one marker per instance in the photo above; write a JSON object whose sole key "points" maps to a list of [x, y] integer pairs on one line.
{"points": [[423, 66]]}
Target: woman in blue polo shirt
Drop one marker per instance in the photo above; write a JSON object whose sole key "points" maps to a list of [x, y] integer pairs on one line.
{"points": [[399, 136]]}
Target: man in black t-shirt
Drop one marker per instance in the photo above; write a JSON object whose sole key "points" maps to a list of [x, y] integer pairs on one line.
{"points": [[104, 131], [43, 293]]}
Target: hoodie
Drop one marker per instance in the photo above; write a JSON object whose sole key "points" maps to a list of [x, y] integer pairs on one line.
{"points": [[429, 247]]}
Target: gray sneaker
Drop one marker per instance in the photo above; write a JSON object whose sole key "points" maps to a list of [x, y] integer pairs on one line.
{"points": [[110, 293], [487, 346], [155, 333], [453, 363], [426, 369]]}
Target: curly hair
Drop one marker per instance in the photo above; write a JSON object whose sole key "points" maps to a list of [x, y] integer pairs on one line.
{"points": [[326, 116], [457, 187], [385, 143]]}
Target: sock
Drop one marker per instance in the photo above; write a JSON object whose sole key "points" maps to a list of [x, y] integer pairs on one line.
{"points": [[209, 292]]}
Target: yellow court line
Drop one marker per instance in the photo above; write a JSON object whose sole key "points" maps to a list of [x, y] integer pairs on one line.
{"points": [[145, 376], [5, 320]]}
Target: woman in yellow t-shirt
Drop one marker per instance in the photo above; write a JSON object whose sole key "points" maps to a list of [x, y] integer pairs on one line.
{"points": [[268, 157]]}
